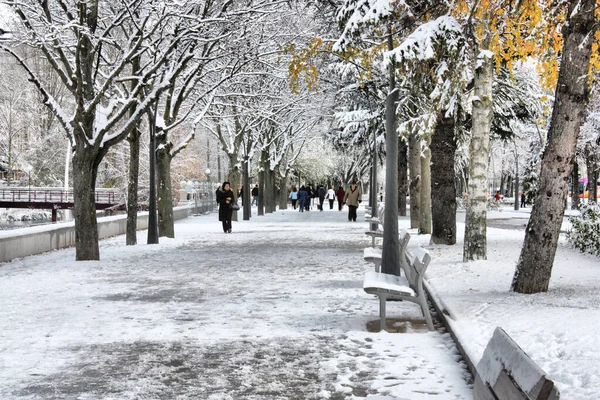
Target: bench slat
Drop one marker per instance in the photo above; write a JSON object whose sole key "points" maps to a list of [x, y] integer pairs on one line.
{"points": [[391, 283]]}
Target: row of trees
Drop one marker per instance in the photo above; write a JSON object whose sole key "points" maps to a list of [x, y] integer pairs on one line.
{"points": [[171, 70], [424, 84], [451, 80]]}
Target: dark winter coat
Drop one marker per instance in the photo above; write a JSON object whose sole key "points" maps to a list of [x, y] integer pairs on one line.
{"points": [[322, 193], [303, 195], [340, 194], [224, 210]]}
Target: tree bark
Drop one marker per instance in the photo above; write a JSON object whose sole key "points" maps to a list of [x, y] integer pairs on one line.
{"points": [[414, 169], [166, 225], [269, 191], [246, 200], [575, 186], [425, 216], [443, 191], [84, 210], [402, 177], [283, 193], [390, 259], [475, 246], [132, 187], [134, 171], [534, 268]]}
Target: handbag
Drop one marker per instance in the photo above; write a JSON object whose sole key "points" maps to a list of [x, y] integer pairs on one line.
{"points": [[234, 206]]}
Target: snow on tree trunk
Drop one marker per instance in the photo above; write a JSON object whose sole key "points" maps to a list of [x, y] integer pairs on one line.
{"points": [[425, 199], [84, 187], [402, 177], [166, 225], [534, 268], [443, 190], [132, 187], [475, 246], [414, 169], [390, 262]]}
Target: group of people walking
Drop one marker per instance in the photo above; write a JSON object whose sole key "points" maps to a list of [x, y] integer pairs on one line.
{"points": [[301, 199], [305, 195]]}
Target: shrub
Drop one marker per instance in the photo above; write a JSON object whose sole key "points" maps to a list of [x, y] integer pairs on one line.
{"points": [[584, 233]]}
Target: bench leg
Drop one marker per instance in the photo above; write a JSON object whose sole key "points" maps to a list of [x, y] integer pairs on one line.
{"points": [[373, 241], [377, 266], [425, 310], [381, 313]]}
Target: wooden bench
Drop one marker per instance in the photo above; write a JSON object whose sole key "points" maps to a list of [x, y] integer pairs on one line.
{"points": [[400, 288], [506, 372]]}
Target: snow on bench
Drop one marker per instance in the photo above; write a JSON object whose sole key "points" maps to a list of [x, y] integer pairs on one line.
{"points": [[398, 288], [506, 372]]}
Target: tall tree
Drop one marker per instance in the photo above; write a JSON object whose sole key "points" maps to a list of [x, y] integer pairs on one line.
{"points": [[534, 268], [91, 58]]}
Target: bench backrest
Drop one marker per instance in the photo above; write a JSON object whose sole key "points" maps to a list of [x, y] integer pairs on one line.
{"points": [[415, 269], [506, 372]]}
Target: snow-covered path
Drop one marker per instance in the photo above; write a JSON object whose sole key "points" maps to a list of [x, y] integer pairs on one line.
{"points": [[275, 310]]}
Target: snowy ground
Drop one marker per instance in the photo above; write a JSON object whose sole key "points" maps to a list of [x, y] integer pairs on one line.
{"points": [[558, 329], [275, 310]]}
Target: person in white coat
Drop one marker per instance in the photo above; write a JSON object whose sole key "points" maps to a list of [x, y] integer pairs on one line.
{"points": [[331, 197]]}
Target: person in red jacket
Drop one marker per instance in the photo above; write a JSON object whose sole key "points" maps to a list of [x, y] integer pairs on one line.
{"points": [[340, 197]]}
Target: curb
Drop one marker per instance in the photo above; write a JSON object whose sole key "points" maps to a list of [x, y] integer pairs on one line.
{"points": [[443, 316]]}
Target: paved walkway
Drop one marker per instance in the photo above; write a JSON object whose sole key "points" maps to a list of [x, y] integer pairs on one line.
{"points": [[275, 310]]}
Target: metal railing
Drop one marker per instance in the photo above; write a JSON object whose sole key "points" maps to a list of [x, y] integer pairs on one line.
{"points": [[49, 195]]}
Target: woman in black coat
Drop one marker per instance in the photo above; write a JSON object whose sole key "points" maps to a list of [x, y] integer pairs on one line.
{"points": [[225, 198]]}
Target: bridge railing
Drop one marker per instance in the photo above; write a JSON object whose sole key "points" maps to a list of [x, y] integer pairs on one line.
{"points": [[54, 195]]}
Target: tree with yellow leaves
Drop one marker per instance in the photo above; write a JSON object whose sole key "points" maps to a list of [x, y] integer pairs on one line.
{"points": [[534, 268]]}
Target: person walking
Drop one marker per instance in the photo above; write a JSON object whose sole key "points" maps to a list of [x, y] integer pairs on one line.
{"points": [[352, 198], [254, 195], [340, 197], [523, 199], [294, 197], [331, 197], [303, 197], [321, 193], [225, 198]]}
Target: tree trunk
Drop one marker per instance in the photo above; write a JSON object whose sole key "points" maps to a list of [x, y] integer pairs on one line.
{"points": [[390, 259], [414, 169], [84, 187], [575, 186], [443, 191], [234, 180], [264, 156], [166, 225], [475, 246], [269, 191], [534, 267], [134, 171], [425, 200], [247, 189], [132, 187], [402, 177], [283, 193]]}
